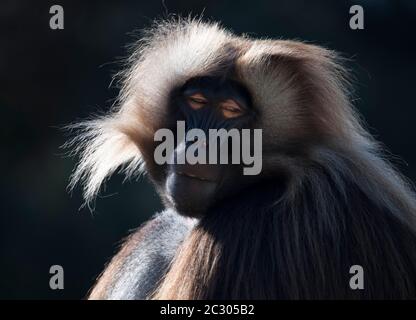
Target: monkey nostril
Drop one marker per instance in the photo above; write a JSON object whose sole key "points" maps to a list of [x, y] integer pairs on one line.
{"points": [[199, 141], [191, 141]]}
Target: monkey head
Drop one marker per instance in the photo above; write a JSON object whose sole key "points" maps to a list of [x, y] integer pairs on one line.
{"points": [[201, 75]]}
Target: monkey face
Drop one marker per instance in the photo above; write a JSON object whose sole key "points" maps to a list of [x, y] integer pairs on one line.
{"points": [[205, 167]]}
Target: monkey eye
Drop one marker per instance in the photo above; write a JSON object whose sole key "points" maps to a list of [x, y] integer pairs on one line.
{"points": [[197, 101], [231, 109]]}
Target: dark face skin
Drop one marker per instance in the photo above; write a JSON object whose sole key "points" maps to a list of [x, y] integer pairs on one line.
{"points": [[207, 103]]}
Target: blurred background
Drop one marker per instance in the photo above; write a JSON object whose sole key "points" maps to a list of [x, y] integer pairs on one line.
{"points": [[50, 78]]}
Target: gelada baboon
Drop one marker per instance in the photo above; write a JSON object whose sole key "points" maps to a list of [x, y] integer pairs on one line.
{"points": [[326, 198]]}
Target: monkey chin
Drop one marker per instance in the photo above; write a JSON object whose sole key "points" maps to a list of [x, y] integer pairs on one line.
{"points": [[190, 196]]}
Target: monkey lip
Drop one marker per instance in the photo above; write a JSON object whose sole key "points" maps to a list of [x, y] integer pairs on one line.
{"points": [[193, 176], [189, 194]]}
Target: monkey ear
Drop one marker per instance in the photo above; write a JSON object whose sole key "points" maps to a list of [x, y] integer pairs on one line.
{"points": [[103, 148]]}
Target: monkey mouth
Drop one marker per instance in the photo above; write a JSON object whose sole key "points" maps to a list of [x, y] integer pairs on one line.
{"points": [[191, 195], [193, 176]]}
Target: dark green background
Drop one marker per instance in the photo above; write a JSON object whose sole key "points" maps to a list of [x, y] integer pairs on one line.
{"points": [[51, 78]]}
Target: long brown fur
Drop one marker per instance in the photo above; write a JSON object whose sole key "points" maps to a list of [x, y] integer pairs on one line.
{"points": [[342, 203]]}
